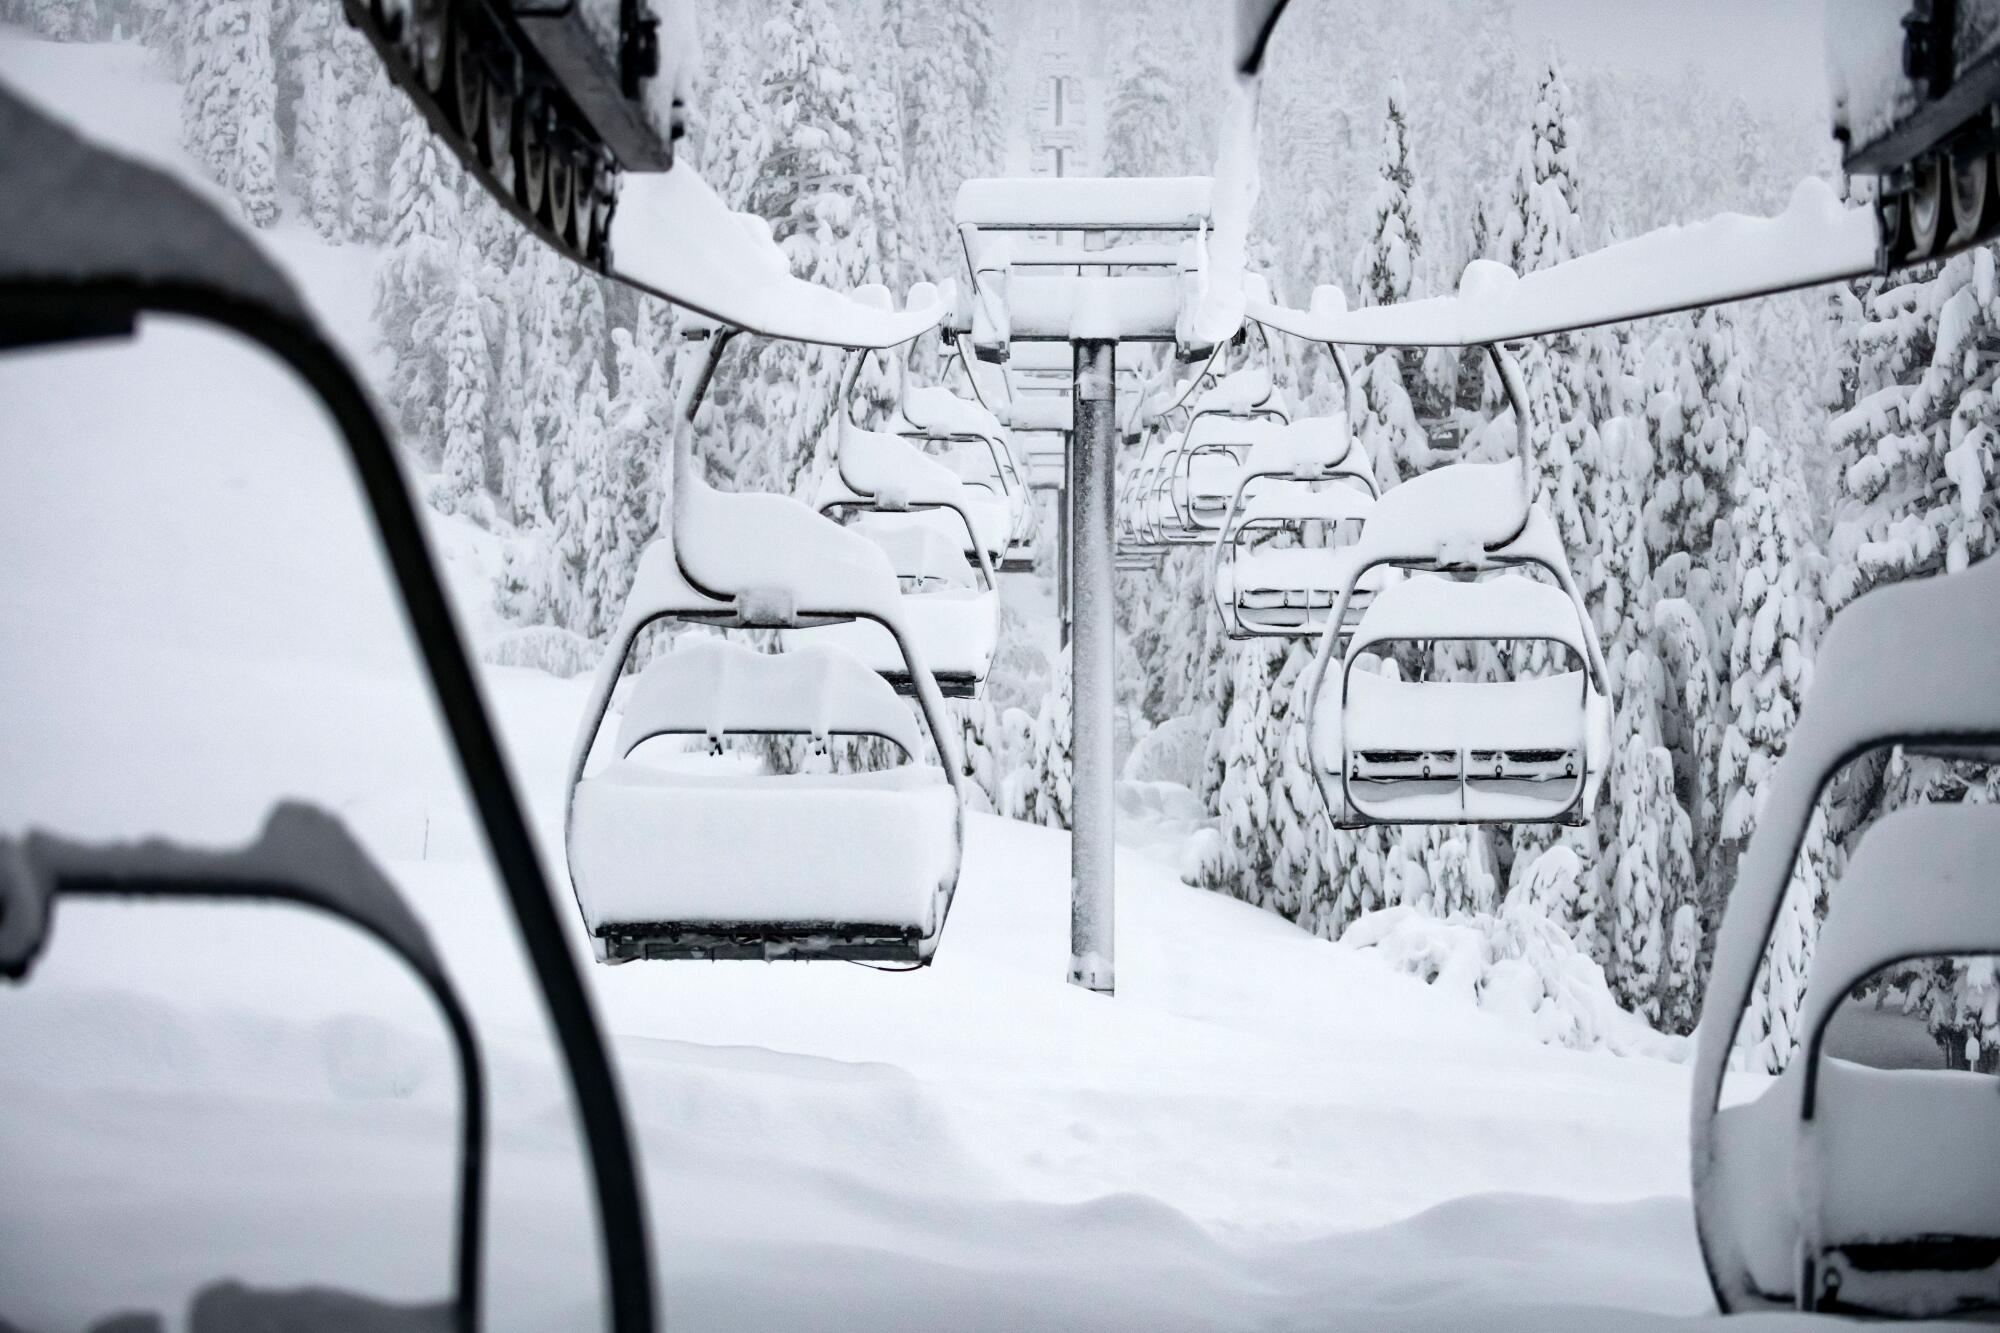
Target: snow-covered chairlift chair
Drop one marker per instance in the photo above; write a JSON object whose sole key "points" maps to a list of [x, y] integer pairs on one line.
{"points": [[1219, 435], [1877, 1191], [1309, 473], [667, 866], [1900, 1210], [984, 456], [952, 606], [881, 471], [1525, 750]]}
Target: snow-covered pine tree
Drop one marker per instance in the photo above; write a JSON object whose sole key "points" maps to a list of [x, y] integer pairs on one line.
{"points": [[1388, 425], [1770, 1030], [229, 101], [1250, 751], [779, 399], [1153, 124], [1047, 799], [953, 118], [581, 482], [414, 284], [638, 429], [1775, 600], [461, 488]]}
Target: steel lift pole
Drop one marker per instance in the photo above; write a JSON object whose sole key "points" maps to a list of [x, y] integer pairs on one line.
{"points": [[1063, 530], [1088, 502]]}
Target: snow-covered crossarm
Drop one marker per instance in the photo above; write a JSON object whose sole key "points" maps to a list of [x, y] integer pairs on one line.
{"points": [[1731, 257], [673, 237]]}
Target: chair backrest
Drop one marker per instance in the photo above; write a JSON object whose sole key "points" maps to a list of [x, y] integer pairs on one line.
{"points": [[1309, 449], [1509, 606], [708, 686], [894, 472], [1464, 516]]}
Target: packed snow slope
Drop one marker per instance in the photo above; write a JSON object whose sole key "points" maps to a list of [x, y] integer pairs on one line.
{"points": [[1262, 1130]]}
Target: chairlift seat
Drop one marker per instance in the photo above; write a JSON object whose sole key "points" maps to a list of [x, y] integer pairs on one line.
{"points": [[1525, 750], [683, 858], [926, 548]]}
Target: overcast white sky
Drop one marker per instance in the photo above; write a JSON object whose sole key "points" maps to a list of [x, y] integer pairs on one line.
{"points": [[1769, 50]]}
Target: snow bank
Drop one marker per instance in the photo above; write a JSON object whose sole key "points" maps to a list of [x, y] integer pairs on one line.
{"points": [[1517, 965]]}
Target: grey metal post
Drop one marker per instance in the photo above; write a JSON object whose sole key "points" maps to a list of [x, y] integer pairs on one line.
{"points": [[1092, 473], [1064, 497]]}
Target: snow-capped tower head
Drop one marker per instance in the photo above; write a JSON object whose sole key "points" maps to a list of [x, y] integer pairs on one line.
{"points": [[1328, 300], [875, 296]]}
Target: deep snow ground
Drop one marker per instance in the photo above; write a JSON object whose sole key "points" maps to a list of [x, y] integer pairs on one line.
{"points": [[1261, 1131]]}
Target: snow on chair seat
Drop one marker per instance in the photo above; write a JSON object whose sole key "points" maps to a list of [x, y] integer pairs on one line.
{"points": [[949, 608], [679, 860], [925, 548], [957, 627], [1464, 751], [1291, 588], [1891, 1176]]}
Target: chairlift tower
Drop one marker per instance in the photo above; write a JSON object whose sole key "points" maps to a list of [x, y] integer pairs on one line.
{"points": [[1027, 292]]}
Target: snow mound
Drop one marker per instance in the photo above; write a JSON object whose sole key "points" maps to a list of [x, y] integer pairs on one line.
{"points": [[548, 648], [1517, 965], [1171, 752]]}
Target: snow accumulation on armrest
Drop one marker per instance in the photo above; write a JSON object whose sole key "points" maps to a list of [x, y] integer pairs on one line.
{"points": [[672, 236], [1729, 257], [1085, 203], [709, 686], [1922, 884], [732, 544], [1509, 606]]}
